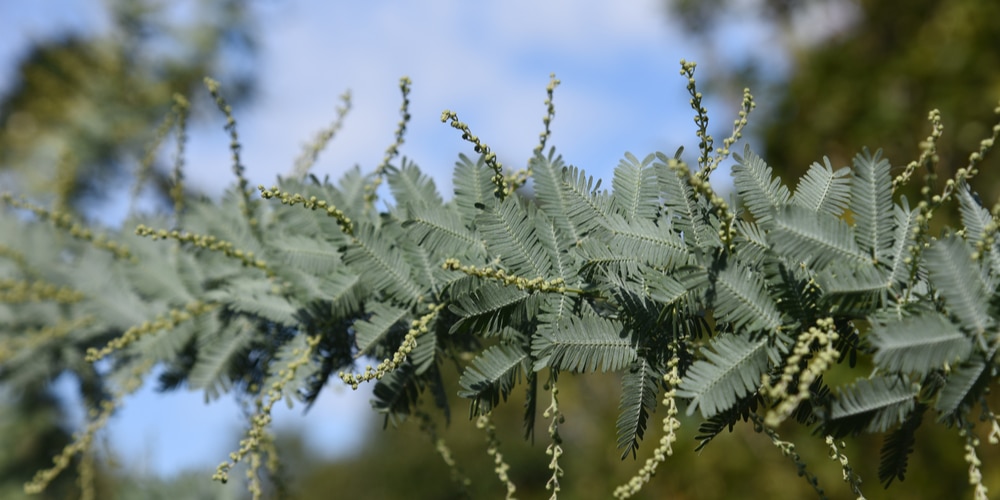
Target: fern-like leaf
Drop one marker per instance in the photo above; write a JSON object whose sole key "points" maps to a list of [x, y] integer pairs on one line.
{"points": [[646, 241], [473, 187], [870, 405], [384, 319], [636, 194], [871, 203], [584, 345], [955, 276], [731, 370], [752, 242], [975, 217], [742, 300], [306, 253], [553, 195], [396, 394], [411, 186], [491, 376], [763, 195], [586, 206], [817, 238], [384, 268], [919, 344], [425, 353], [823, 189], [217, 354], [726, 419], [491, 308], [509, 233], [902, 240], [898, 446], [855, 290], [256, 298], [640, 387], [686, 212], [962, 387], [442, 229]]}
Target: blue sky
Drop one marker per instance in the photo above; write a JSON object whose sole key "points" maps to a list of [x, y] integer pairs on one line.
{"points": [[488, 61]]}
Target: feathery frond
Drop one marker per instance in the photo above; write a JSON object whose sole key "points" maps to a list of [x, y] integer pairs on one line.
{"points": [[473, 186], [822, 189], [383, 320], [640, 387], [687, 213], [510, 235], [954, 275], [584, 344], [217, 355], [898, 446], [871, 203], [742, 299], [962, 387], [410, 186], [491, 376], [814, 238], [871, 405], [373, 258], [645, 240], [919, 344], [586, 207], [763, 195], [905, 221], [491, 308], [549, 174], [732, 369], [636, 194], [442, 229]]}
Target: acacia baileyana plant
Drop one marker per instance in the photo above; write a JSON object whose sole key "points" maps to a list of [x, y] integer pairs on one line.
{"points": [[733, 310]]}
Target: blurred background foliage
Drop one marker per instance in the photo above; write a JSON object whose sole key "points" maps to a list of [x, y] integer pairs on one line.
{"points": [[82, 109], [862, 72]]}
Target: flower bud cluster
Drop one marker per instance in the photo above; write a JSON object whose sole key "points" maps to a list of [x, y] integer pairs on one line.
{"points": [[30, 339], [393, 150], [81, 441], [672, 379], [554, 448], [207, 242], [502, 190], [307, 159], [64, 221], [19, 292], [261, 419], [850, 477], [550, 113], [311, 203], [234, 146], [501, 467], [928, 151], [823, 335], [417, 327], [167, 321], [539, 284]]}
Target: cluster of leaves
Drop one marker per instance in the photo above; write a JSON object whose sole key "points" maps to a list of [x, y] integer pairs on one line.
{"points": [[735, 310]]}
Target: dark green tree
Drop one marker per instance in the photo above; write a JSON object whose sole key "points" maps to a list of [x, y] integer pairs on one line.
{"points": [[885, 70]]}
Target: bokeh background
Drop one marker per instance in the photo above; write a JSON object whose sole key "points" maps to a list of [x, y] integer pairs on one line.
{"points": [[84, 84]]}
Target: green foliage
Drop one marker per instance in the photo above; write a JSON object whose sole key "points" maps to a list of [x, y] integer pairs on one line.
{"points": [[658, 279]]}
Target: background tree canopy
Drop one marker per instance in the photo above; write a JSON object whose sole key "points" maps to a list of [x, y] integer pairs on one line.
{"points": [[82, 108], [872, 81]]}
